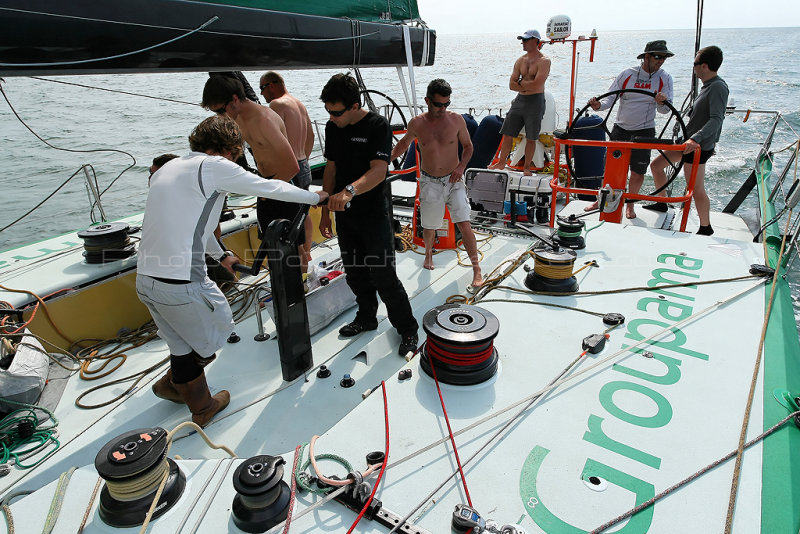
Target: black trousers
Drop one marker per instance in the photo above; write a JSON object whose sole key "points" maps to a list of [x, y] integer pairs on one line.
{"points": [[367, 247]]}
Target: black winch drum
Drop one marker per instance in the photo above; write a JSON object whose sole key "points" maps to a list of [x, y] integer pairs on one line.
{"points": [[460, 344]]}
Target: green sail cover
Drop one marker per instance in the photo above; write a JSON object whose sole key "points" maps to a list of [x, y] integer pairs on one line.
{"points": [[390, 11]]}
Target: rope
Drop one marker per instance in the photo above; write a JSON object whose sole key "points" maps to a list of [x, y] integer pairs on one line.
{"points": [[531, 400], [449, 431], [297, 451], [73, 150], [117, 56], [591, 367], [751, 395], [692, 477], [383, 464], [39, 437], [91, 503], [165, 476], [58, 500], [44, 308], [161, 98], [302, 476], [554, 271]]}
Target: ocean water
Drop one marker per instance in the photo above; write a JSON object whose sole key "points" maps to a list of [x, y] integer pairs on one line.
{"points": [[121, 122]]}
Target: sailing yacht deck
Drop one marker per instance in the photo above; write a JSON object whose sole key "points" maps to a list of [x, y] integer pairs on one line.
{"points": [[641, 415]]}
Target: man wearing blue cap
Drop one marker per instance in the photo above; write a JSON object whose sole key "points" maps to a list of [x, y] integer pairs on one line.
{"points": [[527, 109]]}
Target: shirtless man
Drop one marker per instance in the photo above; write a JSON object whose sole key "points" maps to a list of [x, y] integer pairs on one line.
{"points": [[527, 109], [301, 138], [438, 133], [261, 127]]}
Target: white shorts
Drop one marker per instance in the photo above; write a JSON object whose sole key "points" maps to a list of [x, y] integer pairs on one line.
{"points": [[434, 193], [190, 317]]}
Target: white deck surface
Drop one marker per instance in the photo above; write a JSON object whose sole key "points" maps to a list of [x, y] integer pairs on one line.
{"points": [[663, 418]]}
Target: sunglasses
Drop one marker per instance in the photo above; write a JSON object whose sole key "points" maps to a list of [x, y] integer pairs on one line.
{"points": [[221, 111], [696, 63], [657, 57], [440, 104], [336, 113], [265, 85]]}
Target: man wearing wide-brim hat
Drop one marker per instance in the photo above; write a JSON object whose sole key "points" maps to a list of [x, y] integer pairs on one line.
{"points": [[637, 111]]}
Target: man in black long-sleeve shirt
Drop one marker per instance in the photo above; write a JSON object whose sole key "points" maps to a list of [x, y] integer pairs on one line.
{"points": [[703, 129]]}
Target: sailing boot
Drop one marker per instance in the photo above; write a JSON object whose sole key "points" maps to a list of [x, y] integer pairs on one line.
{"points": [[165, 389], [199, 400]]}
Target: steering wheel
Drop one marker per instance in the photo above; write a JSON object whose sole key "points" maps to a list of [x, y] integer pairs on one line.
{"points": [[678, 131], [391, 111]]}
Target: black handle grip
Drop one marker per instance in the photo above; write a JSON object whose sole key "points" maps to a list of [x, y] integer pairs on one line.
{"points": [[241, 268]]}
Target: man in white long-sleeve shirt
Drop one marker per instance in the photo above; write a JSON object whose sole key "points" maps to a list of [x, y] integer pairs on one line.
{"points": [[636, 113], [183, 206]]}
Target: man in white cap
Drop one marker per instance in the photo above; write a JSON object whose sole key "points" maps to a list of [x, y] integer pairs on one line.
{"points": [[527, 109], [636, 115]]}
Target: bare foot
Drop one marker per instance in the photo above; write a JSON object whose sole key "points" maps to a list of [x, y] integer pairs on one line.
{"points": [[590, 207], [497, 165], [477, 279], [629, 212], [527, 172], [428, 264]]}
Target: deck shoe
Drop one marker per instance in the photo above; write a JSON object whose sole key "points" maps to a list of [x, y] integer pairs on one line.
{"points": [[165, 389], [705, 230], [408, 343], [656, 206], [356, 327], [202, 405]]}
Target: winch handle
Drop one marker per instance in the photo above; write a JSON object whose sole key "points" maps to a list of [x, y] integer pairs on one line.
{"points": [[295, 228]]}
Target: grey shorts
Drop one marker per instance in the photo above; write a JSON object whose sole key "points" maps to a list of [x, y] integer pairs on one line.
{"points": [[640, 159], [528, 111], [190, 317], [303, 177]]}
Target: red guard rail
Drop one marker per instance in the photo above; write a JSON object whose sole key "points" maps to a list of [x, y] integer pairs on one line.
{"points": [[615, 174]]}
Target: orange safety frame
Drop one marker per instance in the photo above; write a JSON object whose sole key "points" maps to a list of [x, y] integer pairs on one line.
{"points": [[615, 174]]}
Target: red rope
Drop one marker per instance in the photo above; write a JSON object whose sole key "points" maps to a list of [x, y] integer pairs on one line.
{"points": [[385, 459], [437, 350], [450, 430], [294, 488]]}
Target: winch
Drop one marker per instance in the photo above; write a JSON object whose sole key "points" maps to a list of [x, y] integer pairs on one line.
{"points": [[552, 271], [262, 497], [460, 344], [106, 242], [133, 466], [568, 233]]}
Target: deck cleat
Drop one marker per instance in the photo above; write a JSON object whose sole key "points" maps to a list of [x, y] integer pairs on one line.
{"points": [[460, 344], [262, 497], [133, 466], [613, 319]]}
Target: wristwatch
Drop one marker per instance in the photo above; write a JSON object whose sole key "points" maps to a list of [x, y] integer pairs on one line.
{"points": [[226, 254], [350, 189]]}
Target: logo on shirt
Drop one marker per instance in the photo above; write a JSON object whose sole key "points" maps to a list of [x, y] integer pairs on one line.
{"points": [[358, 139], [384, 154]]}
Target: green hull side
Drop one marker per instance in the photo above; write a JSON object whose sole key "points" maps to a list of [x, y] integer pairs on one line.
{"points": [[780, 491]]}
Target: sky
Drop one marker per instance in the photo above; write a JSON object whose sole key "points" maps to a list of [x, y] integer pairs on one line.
{"points": [[472, 16]]}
